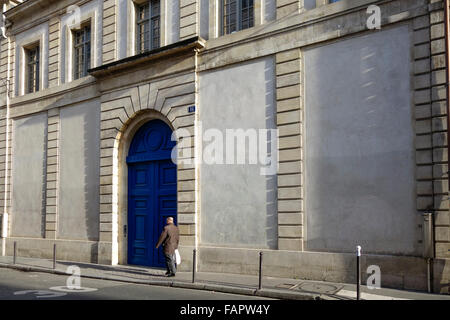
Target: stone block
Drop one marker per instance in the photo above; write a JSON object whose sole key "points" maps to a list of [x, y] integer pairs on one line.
{"points": [[437, 31], [442, 234], [293, 116], [440, 171], [290, 219], [422, 51], [438, 77], [424, 203], [439, 108], [424, 172], [424, 188], [287, 56], [289, 104], [290, 244], [440, 139], [290, 231], [290, 205], [289, 129], [437, 62], [290, 167], [288, 80], [423, 141], [289, 180], [424, 157], [423, 111], [440, 155], [290, 154], [287, 67]]}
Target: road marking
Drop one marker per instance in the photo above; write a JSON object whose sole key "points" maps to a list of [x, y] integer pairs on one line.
{"points": [[73, 290], [41, 293], [366, 296]]}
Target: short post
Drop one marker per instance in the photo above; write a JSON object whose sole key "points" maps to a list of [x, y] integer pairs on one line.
{"points": [[260, 270], [358, 273], [14, 252], [194, 256], [54, 256]]}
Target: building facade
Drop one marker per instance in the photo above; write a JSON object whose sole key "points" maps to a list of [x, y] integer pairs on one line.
{"points": [[346, 99]]}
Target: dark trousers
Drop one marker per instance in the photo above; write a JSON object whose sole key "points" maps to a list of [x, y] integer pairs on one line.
{"points": [[170, 263]]}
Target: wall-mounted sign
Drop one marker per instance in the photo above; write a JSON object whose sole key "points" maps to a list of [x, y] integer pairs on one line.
{"points": [[191, 109]]}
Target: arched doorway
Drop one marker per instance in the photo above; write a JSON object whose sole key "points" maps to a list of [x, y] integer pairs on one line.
{"points": [[152, 191]]}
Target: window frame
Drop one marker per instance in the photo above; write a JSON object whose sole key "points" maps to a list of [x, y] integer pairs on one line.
{"points": [[29, 65], [86, 47], [151, 17], [239, 15]]}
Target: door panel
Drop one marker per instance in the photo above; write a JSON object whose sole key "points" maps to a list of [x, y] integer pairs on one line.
{"points": [[152, 192]]}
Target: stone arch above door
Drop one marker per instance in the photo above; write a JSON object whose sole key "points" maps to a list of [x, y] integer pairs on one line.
{"points": [[123, 111]]}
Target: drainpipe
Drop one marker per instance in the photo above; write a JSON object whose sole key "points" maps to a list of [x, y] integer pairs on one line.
{"points": [[447, 64], [4, 231], [198, 154]]}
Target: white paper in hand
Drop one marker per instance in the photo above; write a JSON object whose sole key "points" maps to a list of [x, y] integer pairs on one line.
{"points": [[177, 257]]}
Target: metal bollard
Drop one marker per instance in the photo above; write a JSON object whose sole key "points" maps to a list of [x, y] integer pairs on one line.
{"points": [[358, 273], [54, 256], [260, 270], [194, 258], [15, 252]]}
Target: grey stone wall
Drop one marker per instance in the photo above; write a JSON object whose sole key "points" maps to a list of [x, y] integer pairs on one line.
{"points": [[238, 203], [79, 176], [28, 176], [359, 145]]}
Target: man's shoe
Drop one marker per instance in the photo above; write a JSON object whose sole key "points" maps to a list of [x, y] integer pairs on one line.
{"points": [[171, 275]]}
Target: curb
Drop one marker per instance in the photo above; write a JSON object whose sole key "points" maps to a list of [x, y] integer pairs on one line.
{"points": [[267, 293]]}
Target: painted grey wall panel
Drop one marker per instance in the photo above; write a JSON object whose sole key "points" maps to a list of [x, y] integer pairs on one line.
{"points": [[28, 176], [359, 145], [79, 172], [238, 204]]}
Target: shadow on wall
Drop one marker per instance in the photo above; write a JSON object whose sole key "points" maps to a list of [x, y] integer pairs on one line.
{"points": [[91, 169], [271, 180]]}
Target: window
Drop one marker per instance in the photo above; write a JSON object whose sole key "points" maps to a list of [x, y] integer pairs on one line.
{"points": [[32, 73], [148, 26], [82, 52], [237, 15]]}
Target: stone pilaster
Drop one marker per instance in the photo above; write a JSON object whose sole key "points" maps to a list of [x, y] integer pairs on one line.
{"points": [[188, 19], [109, 31], [51, 209], [290, 178], [3, 69], [287, 7], [53, 53], [439, 129]]}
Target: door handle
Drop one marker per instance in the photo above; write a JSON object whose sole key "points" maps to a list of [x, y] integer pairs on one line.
{"points": [[124, 230]]}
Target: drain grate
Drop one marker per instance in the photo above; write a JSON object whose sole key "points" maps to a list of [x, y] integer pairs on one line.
{"points": [[319, 288]]}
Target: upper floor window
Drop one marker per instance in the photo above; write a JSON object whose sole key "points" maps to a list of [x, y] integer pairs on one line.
{"points": [[237, 15], [148, 26], [32, 73], [82, 51]]}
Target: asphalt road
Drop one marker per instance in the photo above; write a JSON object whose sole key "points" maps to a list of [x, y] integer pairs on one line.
{"points": [[19, 285]]}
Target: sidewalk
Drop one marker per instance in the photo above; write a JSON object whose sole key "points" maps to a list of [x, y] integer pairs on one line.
{"points": [[277, 288]]}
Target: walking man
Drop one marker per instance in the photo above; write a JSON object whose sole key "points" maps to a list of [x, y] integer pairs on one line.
{"points": [[169, 239]]}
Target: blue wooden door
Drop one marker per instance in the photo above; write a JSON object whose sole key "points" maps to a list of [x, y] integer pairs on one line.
{"points": [[152, 192]]}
